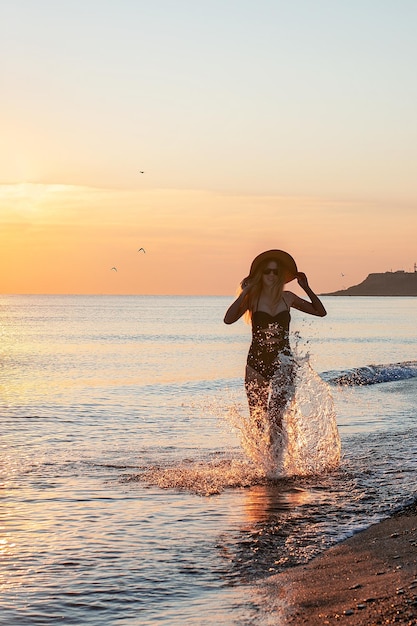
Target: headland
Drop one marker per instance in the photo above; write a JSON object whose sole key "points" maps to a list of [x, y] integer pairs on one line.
{"points": [[398, 283]]}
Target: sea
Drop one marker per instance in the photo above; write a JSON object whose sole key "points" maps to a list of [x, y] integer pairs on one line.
{"points": [[135, 491]]}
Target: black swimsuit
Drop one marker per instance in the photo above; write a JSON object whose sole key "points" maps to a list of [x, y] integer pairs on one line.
{"points": [[262, 355]]}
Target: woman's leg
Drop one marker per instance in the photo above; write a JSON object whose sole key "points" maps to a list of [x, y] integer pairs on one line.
{"points": [[282, 391], [257, 391]]}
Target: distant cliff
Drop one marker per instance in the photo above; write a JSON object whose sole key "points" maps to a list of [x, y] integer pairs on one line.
{"points": [[387, 284]]}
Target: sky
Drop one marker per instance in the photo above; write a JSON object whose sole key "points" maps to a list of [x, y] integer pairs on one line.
{"points": [[205, 131]]}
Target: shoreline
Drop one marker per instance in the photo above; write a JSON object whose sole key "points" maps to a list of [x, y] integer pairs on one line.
{"points": [[369, 578]]}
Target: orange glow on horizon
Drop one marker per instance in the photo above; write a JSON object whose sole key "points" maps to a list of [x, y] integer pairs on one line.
{"points": [[66, 239]]}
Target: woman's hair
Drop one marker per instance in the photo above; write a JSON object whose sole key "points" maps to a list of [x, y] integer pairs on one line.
{"points": [[257, 284]]}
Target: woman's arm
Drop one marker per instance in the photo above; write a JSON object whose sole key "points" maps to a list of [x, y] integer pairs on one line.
{"points": [[315, 307], [238, 307]]}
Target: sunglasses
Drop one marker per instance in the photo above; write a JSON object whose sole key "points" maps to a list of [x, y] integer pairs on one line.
{"points": [[270, 270]]}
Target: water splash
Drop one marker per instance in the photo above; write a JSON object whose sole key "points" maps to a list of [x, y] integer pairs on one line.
{"points": [[202, 477], [308, 442]]}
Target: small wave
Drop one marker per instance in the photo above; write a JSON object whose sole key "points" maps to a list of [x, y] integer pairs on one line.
{"points": [[372, 374]]}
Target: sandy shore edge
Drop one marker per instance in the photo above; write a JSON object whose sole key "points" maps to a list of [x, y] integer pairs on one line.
{"points": [[370, 578]]}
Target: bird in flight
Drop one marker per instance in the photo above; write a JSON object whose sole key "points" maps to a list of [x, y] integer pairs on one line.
{"points": [[141, 172], [143, 249], [114, 269]]}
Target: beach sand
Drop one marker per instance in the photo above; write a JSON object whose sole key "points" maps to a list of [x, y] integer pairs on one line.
{"points": [[371, 578]]}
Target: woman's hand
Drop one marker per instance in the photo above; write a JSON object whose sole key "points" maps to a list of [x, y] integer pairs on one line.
{"points": [[302, 280], [246, 285], [315, 307]]}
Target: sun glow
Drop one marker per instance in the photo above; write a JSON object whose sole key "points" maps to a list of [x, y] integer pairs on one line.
{"points": [[66, 238]]}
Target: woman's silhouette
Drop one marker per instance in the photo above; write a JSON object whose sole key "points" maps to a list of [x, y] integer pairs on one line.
{"points": [[266, 305]]}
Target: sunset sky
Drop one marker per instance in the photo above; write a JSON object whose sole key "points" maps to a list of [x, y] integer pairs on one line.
{"points": [[267, 124]]}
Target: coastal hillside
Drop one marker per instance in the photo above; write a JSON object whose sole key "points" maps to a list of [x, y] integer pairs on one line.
{"points": [[387, 284]]}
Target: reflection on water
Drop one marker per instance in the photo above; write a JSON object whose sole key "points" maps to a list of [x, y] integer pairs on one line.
{"points": [[279, 529], [263, 502]]}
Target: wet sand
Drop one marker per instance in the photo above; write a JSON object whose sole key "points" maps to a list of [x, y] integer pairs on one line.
{"points": [[371, 578]]}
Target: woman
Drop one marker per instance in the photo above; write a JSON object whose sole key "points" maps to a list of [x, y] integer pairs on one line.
{"points": [[267, 306]]}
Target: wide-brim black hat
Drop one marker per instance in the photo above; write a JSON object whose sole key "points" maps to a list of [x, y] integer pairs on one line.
{"points": [[283, 259]]}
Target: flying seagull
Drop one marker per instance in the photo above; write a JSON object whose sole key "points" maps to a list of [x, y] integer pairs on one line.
{"points": [[114, 269], [143, 249]]}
